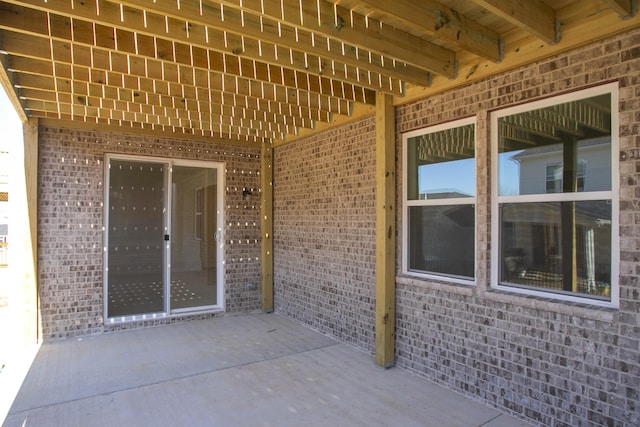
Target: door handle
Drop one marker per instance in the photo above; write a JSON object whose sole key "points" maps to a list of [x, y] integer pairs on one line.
{"points": [[217, 236]]}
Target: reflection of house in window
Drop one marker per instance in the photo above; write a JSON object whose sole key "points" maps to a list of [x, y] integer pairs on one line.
{"points": [[555, 196], [541, 169]]}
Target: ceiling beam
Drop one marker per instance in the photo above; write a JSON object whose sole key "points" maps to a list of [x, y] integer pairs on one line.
{"points": [[117, 88], [225, 125], [65, 95], [7, 79], [235, 103], [84, 97], [533, 16], [165, 72], [84, 33], [153, 104], [439, 20], [625, 8], [320, 18], [230, 40], [157, 132], [150, 128]]}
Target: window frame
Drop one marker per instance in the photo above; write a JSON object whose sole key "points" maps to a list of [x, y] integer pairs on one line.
{"points": [[611, 195], [406, 203]]}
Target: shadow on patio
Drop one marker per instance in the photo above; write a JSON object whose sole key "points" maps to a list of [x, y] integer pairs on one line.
{"points": [[245, 370]]}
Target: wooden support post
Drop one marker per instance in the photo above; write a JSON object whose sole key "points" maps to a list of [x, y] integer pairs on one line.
{"points": [[385, 231], [266, 225], [413, 187], [568, 217], [25, 234]]}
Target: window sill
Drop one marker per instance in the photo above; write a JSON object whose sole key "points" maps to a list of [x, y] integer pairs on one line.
{"points": [[437, 284], [539, 302]]}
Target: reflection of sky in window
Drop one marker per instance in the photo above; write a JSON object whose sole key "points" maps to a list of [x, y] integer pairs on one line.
{"points": [[447, 177], [508, 174], [458, 176]]}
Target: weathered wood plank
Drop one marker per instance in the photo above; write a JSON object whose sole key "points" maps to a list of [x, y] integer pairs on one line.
{"points": [[532, 15], [624, 8], [164, 27], [442, 21], [385, 232]]}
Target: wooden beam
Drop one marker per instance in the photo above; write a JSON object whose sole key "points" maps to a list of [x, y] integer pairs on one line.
{"points": [[625, 8], [266, 226], [26, 235], [6, 80], [161, 105], [226, 134], [335, 33], [157, 132], [202, 85], [439, 20], [172, 118], [582, 23], [226, 37], [385, 232], [533, 16], [95, 94], [82, 42], [318, 35], [219, 105], [116, 89]]}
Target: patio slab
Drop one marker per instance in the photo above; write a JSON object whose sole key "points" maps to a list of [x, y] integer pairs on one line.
{"points": [[248, 370]]}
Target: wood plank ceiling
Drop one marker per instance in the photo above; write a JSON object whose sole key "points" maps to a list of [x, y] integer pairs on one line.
{"points": [[264, 70]]}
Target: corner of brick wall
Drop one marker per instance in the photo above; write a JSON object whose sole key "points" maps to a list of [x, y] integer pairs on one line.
{"points": [[324, 232]]}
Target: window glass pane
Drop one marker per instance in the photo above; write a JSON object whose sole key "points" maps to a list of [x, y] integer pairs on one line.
{"points": [[441, 240], [538, 249], [441, 165], [572, 135]]}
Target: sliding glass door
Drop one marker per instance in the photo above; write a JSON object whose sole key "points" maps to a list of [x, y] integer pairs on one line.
{"points": [[193, 244], [163, 237]]}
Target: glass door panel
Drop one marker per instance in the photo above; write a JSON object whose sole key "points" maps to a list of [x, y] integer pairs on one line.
{"points": [[135, 238], [194, 221]]}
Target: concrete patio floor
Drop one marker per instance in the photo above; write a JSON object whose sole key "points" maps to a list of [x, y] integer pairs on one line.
{"points": [[245, 370]]}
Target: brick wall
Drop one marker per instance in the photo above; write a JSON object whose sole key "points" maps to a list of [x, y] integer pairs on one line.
{"points": [[71, 196], [324, 232], [549, 362]]}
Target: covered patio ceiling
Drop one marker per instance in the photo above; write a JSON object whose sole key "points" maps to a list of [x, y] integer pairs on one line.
{"points": [[256, 71]]}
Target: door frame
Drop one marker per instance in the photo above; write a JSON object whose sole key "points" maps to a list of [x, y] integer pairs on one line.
{"points": [[220, 226]]}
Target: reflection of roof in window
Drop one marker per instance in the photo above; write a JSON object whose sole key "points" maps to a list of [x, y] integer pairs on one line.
{"points": [[444, 193], [545, 149]]}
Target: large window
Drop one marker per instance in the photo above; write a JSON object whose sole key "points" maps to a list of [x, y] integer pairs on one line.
{"points": [[439, 198], [555, 219]]}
